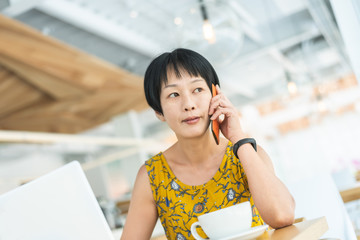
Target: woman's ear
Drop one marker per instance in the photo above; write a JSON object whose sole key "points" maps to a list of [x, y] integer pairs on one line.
{"points": [[160, 116]]}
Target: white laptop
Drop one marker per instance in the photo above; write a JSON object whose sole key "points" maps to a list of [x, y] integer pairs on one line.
{"points": [[57, 206]]}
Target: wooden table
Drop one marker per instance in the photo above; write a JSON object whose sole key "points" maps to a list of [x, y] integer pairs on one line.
{"points": [[351, 194], [307, 230]]}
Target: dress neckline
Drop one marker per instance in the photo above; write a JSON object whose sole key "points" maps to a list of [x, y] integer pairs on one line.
{"points": [[210, 181]]}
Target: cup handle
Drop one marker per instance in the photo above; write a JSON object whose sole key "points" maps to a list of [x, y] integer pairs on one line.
{"points": [[194, 232]]}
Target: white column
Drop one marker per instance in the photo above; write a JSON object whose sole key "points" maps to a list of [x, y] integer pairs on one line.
{"points": [[347, 13]]}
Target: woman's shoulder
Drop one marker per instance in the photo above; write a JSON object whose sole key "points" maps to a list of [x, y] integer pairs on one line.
{"points": [[142, 171], [154, 165], [153, 159]]}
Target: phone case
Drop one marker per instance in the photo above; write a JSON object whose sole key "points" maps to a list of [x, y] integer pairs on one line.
{"points": [[215, 123]]}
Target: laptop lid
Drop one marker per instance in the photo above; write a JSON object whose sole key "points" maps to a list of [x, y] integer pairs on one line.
{"points": [[58, 205]]}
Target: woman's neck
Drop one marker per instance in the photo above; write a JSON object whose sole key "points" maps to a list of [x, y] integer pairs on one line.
{"points": [[196, 151]]}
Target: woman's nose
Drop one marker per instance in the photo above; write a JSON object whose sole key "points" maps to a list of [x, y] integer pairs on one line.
{"points": [[188, 103], [189, 108]]}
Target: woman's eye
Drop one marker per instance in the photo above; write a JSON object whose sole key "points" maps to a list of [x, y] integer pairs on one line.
{"points": [[198, 90], [173, 95]]}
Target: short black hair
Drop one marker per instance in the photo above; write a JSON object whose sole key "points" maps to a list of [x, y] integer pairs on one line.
{"points": [[178, 60]]}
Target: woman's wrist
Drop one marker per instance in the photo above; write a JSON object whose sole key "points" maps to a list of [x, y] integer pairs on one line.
{"points": [[238, 137], [242, 142]]}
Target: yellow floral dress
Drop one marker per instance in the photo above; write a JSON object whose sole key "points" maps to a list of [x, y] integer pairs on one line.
{"points": [[179, 205]]}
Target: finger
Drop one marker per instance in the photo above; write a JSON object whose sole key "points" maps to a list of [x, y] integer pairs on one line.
{"points": [[223, 101], [218, 90], [215, 103], [220, 111], [216, 98], [212, 108], [228, 111]]}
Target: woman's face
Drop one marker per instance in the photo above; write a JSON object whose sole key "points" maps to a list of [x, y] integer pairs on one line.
{"points": [[185, 103]]}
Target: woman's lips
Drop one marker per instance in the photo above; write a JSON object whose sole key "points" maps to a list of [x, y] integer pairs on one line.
{"points": [[191, 120]]}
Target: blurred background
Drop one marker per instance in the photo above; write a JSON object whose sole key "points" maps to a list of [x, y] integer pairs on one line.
{"points": [[71, 75]]}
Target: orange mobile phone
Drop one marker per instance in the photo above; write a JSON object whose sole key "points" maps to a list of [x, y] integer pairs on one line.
{"points": [[215, 123]]}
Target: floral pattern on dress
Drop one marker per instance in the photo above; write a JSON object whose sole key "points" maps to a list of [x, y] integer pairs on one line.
{"points": [[179, 205]]}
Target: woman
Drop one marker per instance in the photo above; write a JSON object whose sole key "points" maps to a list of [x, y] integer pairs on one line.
{"points": [[195, 175]]}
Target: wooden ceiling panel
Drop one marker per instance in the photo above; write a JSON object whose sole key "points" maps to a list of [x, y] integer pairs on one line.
{"points": [[15, 93], [66, 123], [48, 86], [45, 83], [66, 63]]}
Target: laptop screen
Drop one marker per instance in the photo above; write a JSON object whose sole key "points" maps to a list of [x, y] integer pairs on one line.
{"points": [[58, 205]]}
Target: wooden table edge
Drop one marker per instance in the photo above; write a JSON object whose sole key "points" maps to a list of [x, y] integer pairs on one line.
{"points": [[307, 230]]}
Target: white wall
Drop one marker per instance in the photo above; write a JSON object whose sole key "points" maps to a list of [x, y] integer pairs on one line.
{"points": [[28, 167], [347, 13], [328, 146], [305, 160]]}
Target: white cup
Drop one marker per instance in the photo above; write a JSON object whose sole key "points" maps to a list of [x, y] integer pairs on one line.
{"points": [[224, 222]]}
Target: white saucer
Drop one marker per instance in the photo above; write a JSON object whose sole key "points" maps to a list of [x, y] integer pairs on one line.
{"points": [[248, 234]]}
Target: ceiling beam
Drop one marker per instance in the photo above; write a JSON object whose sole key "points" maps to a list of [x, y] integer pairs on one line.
{"points": [[284, 61], [248, 22], [16, 8], [323, 19], [244, 14], [96, 24], [4, 3], [49, 138], [251, 32], [281, 44], [112, 157]]}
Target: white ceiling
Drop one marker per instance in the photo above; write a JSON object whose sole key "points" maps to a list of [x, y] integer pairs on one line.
{"points": [[257, 41]]}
